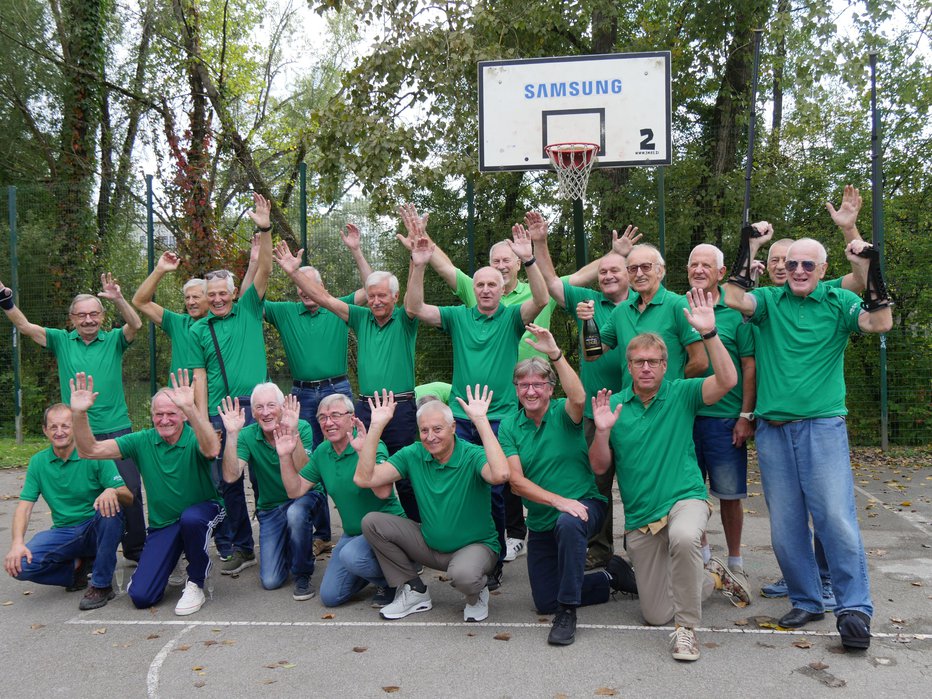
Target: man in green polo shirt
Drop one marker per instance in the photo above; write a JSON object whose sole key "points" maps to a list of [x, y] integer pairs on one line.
{"points": [[175, 459], [386, 335], [451, 479], [647, 429], [229, 361], [88, 348], [85, 498], [286, 525], [352, 565], [802, 438], [549, 467]]}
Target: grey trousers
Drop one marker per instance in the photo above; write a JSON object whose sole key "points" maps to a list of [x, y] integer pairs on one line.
{"points": [[399, 546], [672, 582]]}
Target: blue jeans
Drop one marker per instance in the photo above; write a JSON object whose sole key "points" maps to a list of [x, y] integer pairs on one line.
{"points": [[724, 464], [310, 398], [556, 562], [191, 535], [400, 432], [134, 515], [467, 431], [235, 532], [54, 551], [805, 469], [285, 539], [352, 566]]}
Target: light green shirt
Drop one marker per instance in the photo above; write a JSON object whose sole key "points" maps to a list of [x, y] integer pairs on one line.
{"points": [[386, 352], [738, 338], [262, 457], [178, 328], [302, 329]]}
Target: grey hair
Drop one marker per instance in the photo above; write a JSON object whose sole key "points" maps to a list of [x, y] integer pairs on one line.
{"points": [[315, 275], [648, 246], [51, 409], [161, 392], [719, 255], [83, 297], [335, 398], [498, 245], [823, 255], [194, 282], [498, 272], [379, 277], [435, 406], [537, 367], [279, 396], [223, 273]]}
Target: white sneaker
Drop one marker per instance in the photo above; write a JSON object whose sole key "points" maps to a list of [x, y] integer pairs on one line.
{"points": [[480, 610], [514, 548], [191, 600], [407, 601], [180, 574]]}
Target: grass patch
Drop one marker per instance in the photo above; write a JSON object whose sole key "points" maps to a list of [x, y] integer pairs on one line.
{"points": [[13, 455]]}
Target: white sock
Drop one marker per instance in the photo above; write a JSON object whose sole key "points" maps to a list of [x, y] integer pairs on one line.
{"points": [[736, 562], [706, 554]]}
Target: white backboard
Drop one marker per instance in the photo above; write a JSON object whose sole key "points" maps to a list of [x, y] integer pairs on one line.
{"points": [[620, 101]]}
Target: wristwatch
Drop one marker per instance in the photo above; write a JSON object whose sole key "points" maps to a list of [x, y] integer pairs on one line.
{"points": [[747, 416]]}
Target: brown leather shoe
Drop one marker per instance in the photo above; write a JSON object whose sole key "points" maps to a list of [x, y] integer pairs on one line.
{"points": [[96, 597]]}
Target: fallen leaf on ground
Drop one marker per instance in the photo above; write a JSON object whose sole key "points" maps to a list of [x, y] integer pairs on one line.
{"points": [[915, 583], [268, 681], [199, 683], [741, 622], [906, 503], [287, 666], [101, 631], [391, 689], [37, 626], [817, 665], [328, 616], [210, 642], [803, 643], [197, 668], [710, 644], [543, 620], [8, 603], [359, 649], [183, 647], [27, 592], [228, 642], [605, 692], [897, 620], [470, 633], [504, 636], [151, 636]]}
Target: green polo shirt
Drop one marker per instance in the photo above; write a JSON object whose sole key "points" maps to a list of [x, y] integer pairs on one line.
{"points": [[386, 353], [69, 486], [554, 456], [801, 351], [664, 316], [300, 329], [738, 338], [454, 500], [439, 389], [242, 346], [253, 448], [608, 371], [336, 472], [654, 453], [176, 476], [178, 328], [102, 359], [485, 351], [517, 296]]}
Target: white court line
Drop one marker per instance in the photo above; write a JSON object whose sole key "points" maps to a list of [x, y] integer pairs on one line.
{"points": [[152, 678], [466, 625], [921, 526]]}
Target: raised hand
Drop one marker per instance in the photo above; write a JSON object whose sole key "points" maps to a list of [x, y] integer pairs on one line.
{"points": [[622, 244], [521, 243], [82, 392], [288, 262], [291, 411], [846, 215], [415, 225], [585, 310], [351, 237], [422, 251], [111, 290], [262, 214], [701, 311], [536, 226], [286, 439], [182, 390], [254, 250], [168, 261], [234, 417], [766, 233], [476, 405], [359, 439], [543, 340], [602, 414], [382, 408]]}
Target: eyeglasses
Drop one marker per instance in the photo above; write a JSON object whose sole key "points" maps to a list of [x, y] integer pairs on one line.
{"points": [[93, 315], [808, 265], [536, 385], [219, 274], [333, 417], [653, 363], [644, 267]]}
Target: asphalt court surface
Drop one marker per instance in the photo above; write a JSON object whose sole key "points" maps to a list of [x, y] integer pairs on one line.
{"points": [[249, 641]]}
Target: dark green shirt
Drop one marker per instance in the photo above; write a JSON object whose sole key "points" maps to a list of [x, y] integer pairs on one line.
{"points": [[454, 500], [262, 457], [302, 329], [738, 338], [554, 456], [102, 359], [386, 353], [178, 327], [69, 486]]}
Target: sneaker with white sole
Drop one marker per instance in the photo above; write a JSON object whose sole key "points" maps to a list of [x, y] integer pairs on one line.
{"points": [[191, 600], [407, 601], [480, 610], [684, 644], [514, 548], [179, 575], [239, 561], [303, 590], [735, 588]]}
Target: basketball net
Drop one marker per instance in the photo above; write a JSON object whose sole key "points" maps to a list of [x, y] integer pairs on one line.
{"points": [[573, 163]]}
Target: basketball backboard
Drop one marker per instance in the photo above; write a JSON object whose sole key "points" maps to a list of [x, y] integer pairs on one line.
{"points": [[619, 101]]}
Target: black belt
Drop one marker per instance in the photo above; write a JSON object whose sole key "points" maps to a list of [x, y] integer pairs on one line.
{"points": [[780, 423], [399, 397], [317, 384]]}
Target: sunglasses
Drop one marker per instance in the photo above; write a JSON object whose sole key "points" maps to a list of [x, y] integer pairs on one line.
{"points": [[219, 274], [644, 267], [808, 265]]}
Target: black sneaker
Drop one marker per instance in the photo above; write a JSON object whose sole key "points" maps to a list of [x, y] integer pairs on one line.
{"points": [[96, 597], [302, 588], [855, 629], [81, 574], [563, 631], [622, 576], [382, 596], [495, 578]]}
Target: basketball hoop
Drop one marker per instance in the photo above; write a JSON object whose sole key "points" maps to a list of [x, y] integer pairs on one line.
{"points": [[573, 163]]}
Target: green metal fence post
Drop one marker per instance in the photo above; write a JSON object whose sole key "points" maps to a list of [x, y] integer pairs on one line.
{"points": [[302, 209], [14, 286], [150, 251], [661, 213], [877, 211], [579, 230], [471, 225]]}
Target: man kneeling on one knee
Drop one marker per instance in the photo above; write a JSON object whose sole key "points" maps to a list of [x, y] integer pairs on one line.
{"points": [[451, 479]]}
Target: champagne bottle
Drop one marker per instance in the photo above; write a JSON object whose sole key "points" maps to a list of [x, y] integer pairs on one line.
{"points": [[591, 338]]}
